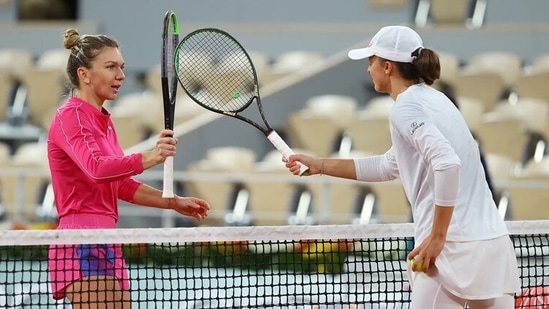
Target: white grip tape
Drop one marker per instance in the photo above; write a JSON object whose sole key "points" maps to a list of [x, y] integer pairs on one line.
{"points": [[167, 182], [284, 149]]}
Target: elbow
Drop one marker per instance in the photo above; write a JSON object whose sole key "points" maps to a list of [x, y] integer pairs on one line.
{"points": [[448, 162], [447, 166], [100, 172], [102, 176], [98, 179]]}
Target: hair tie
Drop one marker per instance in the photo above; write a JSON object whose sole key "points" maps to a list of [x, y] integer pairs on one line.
{"points": [[75, 50], [416, 52]]}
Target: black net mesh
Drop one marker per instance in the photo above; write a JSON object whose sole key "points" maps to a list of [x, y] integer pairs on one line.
{"points": [[344, 266]]}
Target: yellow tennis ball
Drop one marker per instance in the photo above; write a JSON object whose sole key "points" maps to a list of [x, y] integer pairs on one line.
{"points": [[419, 266]]}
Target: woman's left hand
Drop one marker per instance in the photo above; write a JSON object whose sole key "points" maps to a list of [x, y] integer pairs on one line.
{"points": [[426, 253], [190, 206]]}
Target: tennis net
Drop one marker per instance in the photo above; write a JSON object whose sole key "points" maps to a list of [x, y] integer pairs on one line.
{"points": [[322, 266]]}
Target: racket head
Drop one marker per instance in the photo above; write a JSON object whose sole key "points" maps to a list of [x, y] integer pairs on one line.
{"points": [[215, 71], [170, 39]]}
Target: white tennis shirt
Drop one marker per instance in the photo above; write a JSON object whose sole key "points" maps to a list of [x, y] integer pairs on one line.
{"points": [[432, 146]]}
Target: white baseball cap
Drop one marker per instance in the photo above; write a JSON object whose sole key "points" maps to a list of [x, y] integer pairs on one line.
{"points": [[395, 43]]}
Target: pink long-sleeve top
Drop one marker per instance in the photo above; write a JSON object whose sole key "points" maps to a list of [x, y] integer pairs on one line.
{"points": [[89, 170]]}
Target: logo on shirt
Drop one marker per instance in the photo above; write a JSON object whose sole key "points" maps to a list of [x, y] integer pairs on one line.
{"points": [[416, 125]]}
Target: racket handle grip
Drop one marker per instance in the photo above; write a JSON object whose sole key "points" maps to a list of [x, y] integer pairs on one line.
{"points": [[167, 181], [285, 150]]}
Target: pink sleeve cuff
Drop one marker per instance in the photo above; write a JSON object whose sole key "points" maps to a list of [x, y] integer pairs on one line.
{"points": [[127, 188], [137, 163]]}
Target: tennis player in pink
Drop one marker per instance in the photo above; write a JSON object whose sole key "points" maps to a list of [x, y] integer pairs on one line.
{"points": [[460, 239], [90, 172]]}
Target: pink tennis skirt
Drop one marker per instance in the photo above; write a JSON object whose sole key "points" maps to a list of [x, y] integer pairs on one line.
{"points": [[70, 263]]}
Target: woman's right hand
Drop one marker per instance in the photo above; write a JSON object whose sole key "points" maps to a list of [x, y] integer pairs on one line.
{"points": [[313, 163], [165, 147]]}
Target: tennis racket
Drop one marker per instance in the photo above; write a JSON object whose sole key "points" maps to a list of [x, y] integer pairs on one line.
{"points": [[170, 39], [217, 73]]}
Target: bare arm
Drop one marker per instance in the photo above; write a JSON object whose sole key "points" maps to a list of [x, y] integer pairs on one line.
{"points": [[430, 248], [188, 206], [342, 168], [151, 197], [441, 222], [372, 169]]}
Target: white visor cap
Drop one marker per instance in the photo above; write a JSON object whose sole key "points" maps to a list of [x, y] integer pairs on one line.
{"points": [[395, 43]]}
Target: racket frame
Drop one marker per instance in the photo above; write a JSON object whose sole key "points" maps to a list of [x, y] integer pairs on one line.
{"points": [[170, 37], [268, 131]]}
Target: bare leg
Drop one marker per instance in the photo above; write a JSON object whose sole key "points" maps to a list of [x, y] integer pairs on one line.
{"points": [[98, 292]]}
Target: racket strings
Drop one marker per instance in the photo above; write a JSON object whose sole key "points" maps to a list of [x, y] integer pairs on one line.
{"points": [[170, 41], [216, 71], [172, 78]]}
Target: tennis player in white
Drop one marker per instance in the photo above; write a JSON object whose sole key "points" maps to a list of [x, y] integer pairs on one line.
{"points": [[461, 240]]}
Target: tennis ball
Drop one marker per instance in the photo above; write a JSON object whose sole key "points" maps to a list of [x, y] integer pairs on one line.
{"points": [[419, 266]]}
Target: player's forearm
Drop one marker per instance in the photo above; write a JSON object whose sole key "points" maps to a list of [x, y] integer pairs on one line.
{"points": [[150, 159], [441, 221], [342, 168], [151, 197]]}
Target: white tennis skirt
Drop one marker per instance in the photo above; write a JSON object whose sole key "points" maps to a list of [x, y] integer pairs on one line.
{"points": [[477, 269]]}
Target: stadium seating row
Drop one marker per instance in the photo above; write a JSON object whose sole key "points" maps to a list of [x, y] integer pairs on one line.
{"points": [[492, 76], [276, 197], [32, 88], [333, 123], [342, 201], [44, 80], [502, 126], [502, 133]]}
